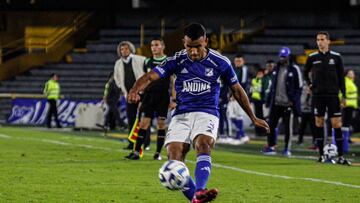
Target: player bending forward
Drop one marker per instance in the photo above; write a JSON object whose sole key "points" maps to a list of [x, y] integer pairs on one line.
{"points": [[195, 121]]}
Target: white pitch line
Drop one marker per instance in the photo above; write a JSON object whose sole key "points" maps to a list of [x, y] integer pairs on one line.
{"points": [[286, 177], [337, 183], [5, 136]]}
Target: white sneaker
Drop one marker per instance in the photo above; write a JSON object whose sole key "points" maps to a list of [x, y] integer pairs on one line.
{"points": [[221, 140], [245, 139], [229, 140], [235, 142], [147, 148]]}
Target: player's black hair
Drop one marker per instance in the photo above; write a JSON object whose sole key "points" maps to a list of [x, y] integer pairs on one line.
{"points": [[270, 61], [239, 55], [53, 74], [326, 33], [158, 39], [194, 31]]}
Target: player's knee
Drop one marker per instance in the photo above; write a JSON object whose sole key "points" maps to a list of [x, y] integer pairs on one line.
{"points": [[161, 124], [319, 121], [203, 144], [144, 123], [175, 152], [336, 122]]}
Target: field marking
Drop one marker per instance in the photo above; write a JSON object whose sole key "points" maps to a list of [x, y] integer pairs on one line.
{"points": [[5, 136], [51, 141]]}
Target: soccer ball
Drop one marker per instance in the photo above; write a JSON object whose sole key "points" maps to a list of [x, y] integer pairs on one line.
{"points": [[330, 152], [174, 175]]}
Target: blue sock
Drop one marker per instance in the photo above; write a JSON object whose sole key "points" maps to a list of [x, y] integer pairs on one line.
{"points": [[333, 140], [346, 135], [239, 126], [189, 189], [202, 171]]}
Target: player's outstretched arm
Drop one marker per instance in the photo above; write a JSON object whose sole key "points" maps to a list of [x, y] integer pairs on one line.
{"points": [[243, 100], [140, 85]]}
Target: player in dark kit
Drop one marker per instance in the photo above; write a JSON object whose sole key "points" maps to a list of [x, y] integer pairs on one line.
{"points": [[327, 73], [155, 100]]}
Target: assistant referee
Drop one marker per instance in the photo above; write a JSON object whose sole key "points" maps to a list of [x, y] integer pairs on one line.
{"points": [[327, 73]]}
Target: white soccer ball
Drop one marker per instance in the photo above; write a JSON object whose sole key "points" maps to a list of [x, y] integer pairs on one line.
{"points": [[174, 175], [330, 151]]}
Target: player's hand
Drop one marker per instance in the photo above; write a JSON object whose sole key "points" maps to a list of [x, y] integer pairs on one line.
{"points": [[308, 89], [172, 105], [262, 124], [133, 96]]}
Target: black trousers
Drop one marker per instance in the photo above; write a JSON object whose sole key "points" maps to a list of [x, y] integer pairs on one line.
{"points": [[112, 116], [131, 113], [307, 118], [276, 113], [52, 112], [260, 114], [347, 116]]}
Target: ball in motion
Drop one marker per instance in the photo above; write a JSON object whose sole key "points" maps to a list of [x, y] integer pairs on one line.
{"points": [[174, 175]]}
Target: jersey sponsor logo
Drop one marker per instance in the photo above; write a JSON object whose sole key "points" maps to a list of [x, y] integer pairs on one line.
{"points": [[161, 70], [196, 86], [316, 62], [209, 72], [331, 62], [184, 71]]}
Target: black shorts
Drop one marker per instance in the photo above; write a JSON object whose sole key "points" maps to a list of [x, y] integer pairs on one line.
{"points": [[331, 103], [155, 104]]}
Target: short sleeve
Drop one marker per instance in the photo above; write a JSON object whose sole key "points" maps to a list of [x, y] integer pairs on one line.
{"points": [[229, 75], [166, 68]]}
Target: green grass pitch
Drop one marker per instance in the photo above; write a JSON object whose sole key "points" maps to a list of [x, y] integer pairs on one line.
{"points": [[48, 166]]}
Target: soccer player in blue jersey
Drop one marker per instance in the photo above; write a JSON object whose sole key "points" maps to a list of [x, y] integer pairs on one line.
{"points": [[198, 71]]}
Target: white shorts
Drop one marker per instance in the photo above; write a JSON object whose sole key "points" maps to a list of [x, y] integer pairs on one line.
{"points": [[185, 127]]}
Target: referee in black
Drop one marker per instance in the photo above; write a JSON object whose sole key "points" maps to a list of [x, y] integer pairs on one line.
{"points": [[327, 74]]}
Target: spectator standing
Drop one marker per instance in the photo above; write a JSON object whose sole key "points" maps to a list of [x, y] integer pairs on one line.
{"points": [[111, 98], [285, 98], [128, 68]]}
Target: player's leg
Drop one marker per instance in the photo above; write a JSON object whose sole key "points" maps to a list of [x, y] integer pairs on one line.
{"points": [[320, 104], [347, 118], [161, 125], [204, 135], [177, 143], [336, 123], [319, 136], [162, 112], [145, 114], [143, 128], [178, 151]]}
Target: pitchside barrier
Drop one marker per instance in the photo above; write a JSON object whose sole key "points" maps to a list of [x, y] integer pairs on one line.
{"points": [[31, 109]]}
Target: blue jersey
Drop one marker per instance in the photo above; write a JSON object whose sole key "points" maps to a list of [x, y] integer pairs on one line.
{"points": [[197, 83]]}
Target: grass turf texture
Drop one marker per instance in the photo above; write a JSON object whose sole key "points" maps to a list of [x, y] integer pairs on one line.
{"points": [[48, 166]]}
